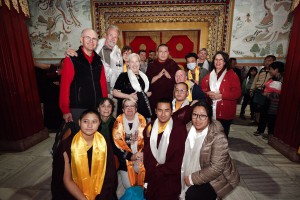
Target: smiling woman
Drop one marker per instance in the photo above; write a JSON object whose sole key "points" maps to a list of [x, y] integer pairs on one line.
{"points": [[223, 88], [206, 140], [133, 85]]}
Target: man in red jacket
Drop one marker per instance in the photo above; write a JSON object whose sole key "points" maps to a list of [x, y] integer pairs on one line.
{"points": [[83, 81]]}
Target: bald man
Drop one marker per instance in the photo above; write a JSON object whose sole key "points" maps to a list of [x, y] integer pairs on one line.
{"points": [[83, 81], [195, 92]]}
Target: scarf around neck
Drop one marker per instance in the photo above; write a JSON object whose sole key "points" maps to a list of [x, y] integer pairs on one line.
{"points": [[186, 102], [90, 183], [160, 152], [191, 158], [214, 85], [135, 83]]}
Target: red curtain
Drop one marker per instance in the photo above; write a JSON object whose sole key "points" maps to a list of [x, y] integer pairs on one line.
{"points": [[20, 110], [287, 126]]}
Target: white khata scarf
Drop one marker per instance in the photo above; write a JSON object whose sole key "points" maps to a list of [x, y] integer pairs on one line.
{"points": [[135, 83], [160, 153], [186, 102], [214, 85], [205, 65], [191, 158], [132, 131]]}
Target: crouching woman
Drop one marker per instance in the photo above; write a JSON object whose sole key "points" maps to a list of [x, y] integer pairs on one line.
{"points": [[207, 170]]}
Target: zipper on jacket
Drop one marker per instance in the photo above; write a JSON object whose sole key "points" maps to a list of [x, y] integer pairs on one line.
{"points": [[91, 70]]}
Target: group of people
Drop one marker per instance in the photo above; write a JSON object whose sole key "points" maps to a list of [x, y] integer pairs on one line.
{"points": [[170, 133]]}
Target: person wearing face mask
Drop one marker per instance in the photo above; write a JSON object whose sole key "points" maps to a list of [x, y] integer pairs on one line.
{"points": [[195, 72], [194, 90]]}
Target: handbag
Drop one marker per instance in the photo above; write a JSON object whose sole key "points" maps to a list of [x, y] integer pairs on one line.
{"points": [[258, 97]]}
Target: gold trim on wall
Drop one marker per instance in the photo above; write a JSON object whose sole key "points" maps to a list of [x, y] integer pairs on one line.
{"points": [[15, 3], [209, 18]]}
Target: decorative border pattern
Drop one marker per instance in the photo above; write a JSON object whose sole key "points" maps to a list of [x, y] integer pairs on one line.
{"points": [[215, 13]]}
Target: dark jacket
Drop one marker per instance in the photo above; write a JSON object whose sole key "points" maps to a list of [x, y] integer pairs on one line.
{"points": [[85, 90]]}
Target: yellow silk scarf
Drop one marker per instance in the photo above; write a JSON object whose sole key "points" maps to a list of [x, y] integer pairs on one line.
{"points": [[124, 67], [90, 185], [197, 74], [190, 96], [119, 139]]}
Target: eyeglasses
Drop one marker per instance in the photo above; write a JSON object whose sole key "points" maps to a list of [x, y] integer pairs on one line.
{"points": [[129, 106], [180, 91], [90, 39], [201, 117]]}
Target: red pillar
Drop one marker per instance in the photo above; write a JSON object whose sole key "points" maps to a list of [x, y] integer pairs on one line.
{"points": [[21, 120], [287, 130]]}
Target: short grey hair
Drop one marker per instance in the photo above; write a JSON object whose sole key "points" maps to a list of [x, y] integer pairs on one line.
{"points": [[133, 55], [88, 29], [204, 49], [113, 27]]}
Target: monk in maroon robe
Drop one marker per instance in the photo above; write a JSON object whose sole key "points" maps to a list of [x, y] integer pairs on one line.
{"points": [[161, 74], [164, 141]]}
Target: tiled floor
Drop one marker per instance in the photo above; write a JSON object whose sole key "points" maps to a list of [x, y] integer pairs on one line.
{"points": [[265, 173]]}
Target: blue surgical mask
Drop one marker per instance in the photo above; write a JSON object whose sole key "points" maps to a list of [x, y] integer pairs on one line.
{"points": [[191, 66]]}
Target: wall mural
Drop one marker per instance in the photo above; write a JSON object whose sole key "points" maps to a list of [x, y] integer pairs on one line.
{"points": [[56, 25], [260, 27]]}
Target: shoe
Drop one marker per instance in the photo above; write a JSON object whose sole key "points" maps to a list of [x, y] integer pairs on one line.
{"points": [[242, 117], [257, 133], [265, 136], [252, 118]]}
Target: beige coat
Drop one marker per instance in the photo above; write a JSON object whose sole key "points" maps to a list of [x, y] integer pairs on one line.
{"points": [[260, 79], [217, 167]]}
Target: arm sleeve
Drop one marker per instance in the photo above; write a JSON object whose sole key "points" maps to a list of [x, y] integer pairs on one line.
{"points": [[234, 90], [218, 159], [103, 82], [254, 82], [66, 80]]}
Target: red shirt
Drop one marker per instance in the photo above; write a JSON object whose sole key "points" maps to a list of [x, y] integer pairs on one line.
{"points": [[67, 78]]}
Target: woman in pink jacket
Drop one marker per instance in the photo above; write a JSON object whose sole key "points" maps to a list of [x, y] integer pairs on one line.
{"points": [[222, 87]]}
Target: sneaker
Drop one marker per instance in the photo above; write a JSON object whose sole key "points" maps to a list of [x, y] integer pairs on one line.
{"points": [[257, 133], [252, 118]]}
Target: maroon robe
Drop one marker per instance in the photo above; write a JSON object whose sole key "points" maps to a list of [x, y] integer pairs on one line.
{"points": [[164, 181], [163, 87]]}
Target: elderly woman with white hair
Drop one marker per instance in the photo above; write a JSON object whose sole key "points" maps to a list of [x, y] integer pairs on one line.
{"points": [[133, 85]]}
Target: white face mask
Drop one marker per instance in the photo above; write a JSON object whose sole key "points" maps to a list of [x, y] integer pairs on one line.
{"points": [[191, 66]]}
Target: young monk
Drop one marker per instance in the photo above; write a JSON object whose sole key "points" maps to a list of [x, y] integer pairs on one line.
{"points": [[88, 159]]}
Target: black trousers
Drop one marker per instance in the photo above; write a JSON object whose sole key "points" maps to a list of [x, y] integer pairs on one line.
{"points": [[226, 125], [263, 118], [271, 124], [201, 192], [247, 98]]}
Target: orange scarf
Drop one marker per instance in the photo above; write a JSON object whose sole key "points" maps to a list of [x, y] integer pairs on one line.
{"points": [[90, 185], [119, 139]]}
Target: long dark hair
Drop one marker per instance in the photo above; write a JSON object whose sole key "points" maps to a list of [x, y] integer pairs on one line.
{"points": [[250, 70]]}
